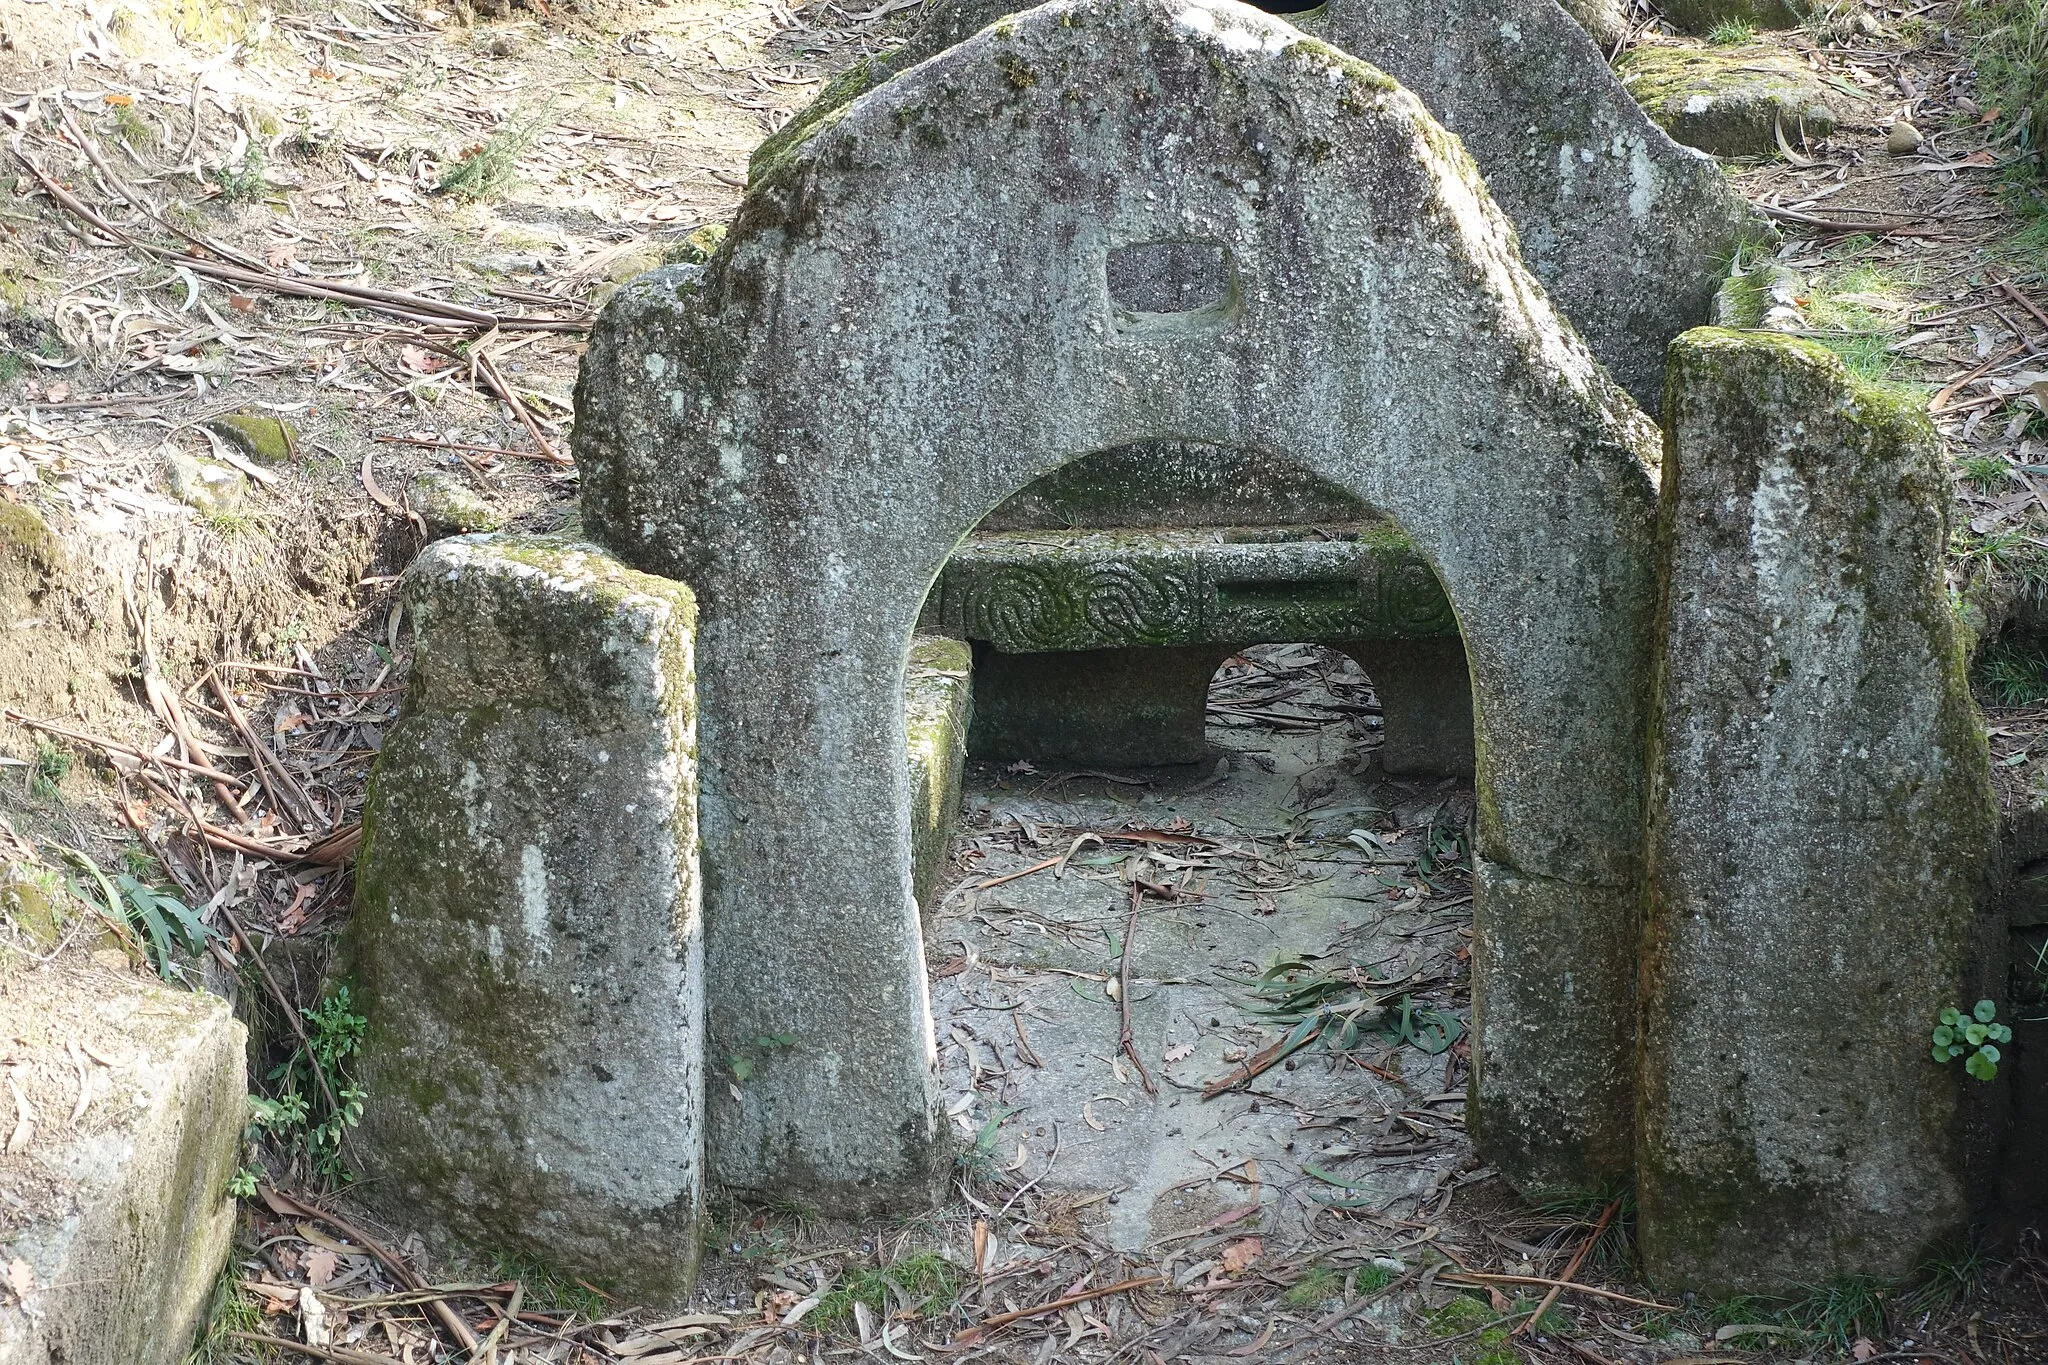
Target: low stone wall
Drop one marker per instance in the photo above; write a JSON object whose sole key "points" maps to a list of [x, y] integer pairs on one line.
{"points": [[938, 699], [118, 1217], [1096, 646]]}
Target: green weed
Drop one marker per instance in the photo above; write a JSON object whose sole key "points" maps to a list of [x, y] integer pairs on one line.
{"points": [[243, 180], [491, 165], [300, 1113], [162, 922], [229, 525], [1976, 1034], [1988, 472], [1319, 1285], [53, 764], [1839, 1312], [2010, 673], [2010, 53], [548, 1289], [1615, 1252], [2009, 552], [978, 1160], [925, 1284], [1731, 33], [134, 128], [141, 863], [1947, 1277], [231, 1309]]}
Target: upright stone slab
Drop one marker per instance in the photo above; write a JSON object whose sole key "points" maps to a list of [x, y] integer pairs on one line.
{"points": [[1628, 231], [1820, 808], [526, 918], [912, 319], [116, 1204]]}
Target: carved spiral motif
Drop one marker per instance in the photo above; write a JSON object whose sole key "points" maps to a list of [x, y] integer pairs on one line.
{"points": [[1125, 604], [1018, 608], [1412, 601]]}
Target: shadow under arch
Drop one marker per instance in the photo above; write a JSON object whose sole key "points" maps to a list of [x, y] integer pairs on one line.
{"points": [[1100, 598], [806, 433]]}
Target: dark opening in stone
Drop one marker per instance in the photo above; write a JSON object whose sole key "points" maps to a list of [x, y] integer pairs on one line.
{"points": [[1287, 6], [1170, 277]]}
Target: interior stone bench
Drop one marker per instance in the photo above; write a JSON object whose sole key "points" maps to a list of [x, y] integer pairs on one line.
{"points": [[1096, 646]]}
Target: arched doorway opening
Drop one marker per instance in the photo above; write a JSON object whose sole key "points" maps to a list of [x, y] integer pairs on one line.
{"points": [[1187, 833]]}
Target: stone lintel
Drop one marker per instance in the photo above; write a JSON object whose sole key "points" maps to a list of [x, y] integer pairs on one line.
{"points": [[1027, 592]]}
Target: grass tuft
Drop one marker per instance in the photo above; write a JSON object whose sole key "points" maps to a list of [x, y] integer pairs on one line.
{"points": [[1731, 33], [492, 164], [547, 1289], [921, 1285], [2010, 673], [1318, 1285], [231, 1309], [1988, 472]]}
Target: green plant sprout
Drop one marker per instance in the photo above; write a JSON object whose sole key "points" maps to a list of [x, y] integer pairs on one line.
{"points": [[743, 1066], [301, 1113], [1976, 1033], [166, 920]]}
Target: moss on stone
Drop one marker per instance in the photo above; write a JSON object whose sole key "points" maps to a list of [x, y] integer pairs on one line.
{"points": [[446, 504], [698, 248], [268, 440], [777, 152], [1727, 101], [26, 537]]}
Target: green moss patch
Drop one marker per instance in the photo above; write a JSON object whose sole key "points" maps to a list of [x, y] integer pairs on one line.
{"points": [[268, 440], [1729, 101]]}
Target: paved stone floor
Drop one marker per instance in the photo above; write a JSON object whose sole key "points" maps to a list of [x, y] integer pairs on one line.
{"points": [[1287, 876]]}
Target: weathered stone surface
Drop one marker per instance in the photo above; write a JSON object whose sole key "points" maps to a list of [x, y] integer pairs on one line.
{"points": [[526, 925], [1628, 231], [1820, 811], [1729, 101], [1148, 706], [1425, 697], [1040, 592], [1605, 21], [1700, 16], [938, 699], [206, 486], [910, 322], [449, 506], [1119, 708], [1177, 484], [121, 1212]]}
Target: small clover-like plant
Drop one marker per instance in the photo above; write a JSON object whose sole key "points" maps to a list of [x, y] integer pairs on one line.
{"points": [[1977, 1033]]}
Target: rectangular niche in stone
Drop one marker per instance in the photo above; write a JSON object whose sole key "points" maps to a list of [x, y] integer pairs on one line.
{"points": [[526, 926]]}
